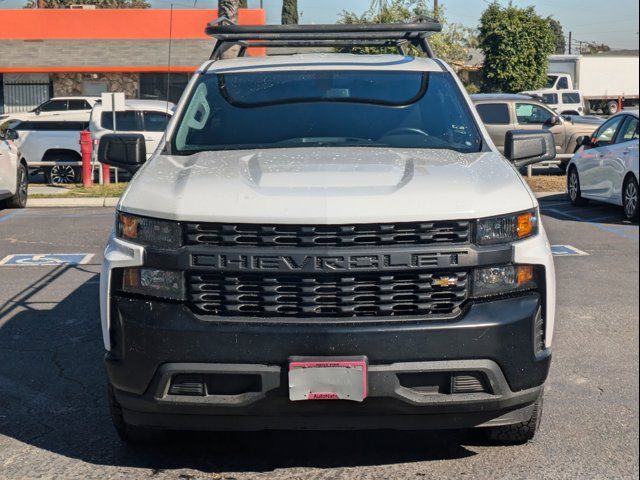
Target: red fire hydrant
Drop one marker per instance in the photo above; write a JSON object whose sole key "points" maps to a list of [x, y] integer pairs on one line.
{"points": [[86, 148]]}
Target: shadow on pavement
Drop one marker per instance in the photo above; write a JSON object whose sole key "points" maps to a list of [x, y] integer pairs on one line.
{"points": [[54, 398], [560, 208]]}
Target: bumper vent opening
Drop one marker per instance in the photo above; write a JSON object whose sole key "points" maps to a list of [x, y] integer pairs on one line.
{"points": [[444, 383], [197, 385], [468, 383], [189, 385]]}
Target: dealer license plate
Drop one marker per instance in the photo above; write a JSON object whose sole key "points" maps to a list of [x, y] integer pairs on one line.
{"points": [[343, 378]]}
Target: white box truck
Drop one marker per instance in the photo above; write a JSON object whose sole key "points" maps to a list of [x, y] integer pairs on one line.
{"points": [[601, 78]]}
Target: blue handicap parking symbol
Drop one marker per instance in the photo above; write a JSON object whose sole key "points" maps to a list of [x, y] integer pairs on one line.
{"points": [[566, 251], [46, 259]]}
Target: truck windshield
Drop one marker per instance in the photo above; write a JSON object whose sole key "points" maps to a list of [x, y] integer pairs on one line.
{"points": [[237, 111]]}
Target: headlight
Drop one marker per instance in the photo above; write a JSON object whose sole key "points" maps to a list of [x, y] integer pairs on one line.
{"points": [[169, 284], [148, 231], [503, 280], [507, 229]]}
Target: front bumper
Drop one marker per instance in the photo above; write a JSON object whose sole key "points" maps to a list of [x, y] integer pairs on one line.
{"points": [[152, 341]]}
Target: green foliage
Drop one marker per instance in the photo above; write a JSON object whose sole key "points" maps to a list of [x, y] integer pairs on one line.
{"points": [[97, 3], [290, 12], [516, 43], [452, 45], [558, 32]]}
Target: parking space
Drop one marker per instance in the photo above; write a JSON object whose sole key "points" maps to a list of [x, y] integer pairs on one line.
{"points": [[53, 413]]}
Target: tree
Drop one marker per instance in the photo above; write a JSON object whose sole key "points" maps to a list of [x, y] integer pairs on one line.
{"points": [[452, 45], [593, 48], [516, 43], [290, 12], [97, 3], [561, 43], [229, 9]]}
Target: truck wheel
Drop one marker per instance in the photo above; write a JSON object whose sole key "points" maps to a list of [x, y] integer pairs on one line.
{"points": [[19, 200], [132, 435], [611, 108], [630, 199], [61, 175], [518, 433], [573, 187]]}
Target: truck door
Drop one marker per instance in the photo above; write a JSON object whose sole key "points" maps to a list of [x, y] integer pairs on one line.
{"points": [[593, 180], [497, 121], [535, 116]]}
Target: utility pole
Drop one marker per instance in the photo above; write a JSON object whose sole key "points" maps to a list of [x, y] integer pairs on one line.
{"points": [[570, 41], [435, 9]]}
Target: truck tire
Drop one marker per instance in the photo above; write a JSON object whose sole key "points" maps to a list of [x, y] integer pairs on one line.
{"points": [[19, 200], [518, 433], [611, 108], [630, 199], [62, 174], [132, 435]]}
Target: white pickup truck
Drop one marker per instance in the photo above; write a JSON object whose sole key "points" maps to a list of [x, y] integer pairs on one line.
{"points": [[53, 142]]}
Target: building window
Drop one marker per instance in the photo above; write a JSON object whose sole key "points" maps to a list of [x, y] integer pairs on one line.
{"points": [[153, 86], [91, 88]]}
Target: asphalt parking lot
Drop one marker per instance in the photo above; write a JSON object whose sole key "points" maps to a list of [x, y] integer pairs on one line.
{"points": [[53, 414]]}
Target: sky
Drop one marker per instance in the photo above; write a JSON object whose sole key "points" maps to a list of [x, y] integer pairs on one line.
{"points": [[616, 25]]}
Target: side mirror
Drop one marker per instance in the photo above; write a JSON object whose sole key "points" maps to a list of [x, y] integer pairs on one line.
{"points": [[525, 147], [553, 121], [584, 142], [126, 151], [11, 134]]}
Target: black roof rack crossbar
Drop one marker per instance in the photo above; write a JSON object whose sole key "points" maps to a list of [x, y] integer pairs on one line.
{"points": [[308, 36]]}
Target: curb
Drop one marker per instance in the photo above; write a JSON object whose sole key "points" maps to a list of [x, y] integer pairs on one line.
{"points": [[73, 202]]}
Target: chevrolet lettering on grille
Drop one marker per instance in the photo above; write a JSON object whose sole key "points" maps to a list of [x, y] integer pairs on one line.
{"points": [[326, 263]]}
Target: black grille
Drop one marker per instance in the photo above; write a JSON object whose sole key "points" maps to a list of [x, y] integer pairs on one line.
{"points": [[415, 233], [328, 295]]}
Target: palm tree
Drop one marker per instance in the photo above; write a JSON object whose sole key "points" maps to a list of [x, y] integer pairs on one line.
{"points": [[290, 12]]}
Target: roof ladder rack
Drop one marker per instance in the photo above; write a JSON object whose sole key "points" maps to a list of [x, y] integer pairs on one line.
{"points": [[397, 35]]}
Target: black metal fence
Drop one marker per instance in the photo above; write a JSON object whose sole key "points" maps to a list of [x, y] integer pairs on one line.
{"points": [[25, 96]]}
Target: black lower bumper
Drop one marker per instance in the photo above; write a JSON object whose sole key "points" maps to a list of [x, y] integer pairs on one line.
{"points": [[494, 342]]}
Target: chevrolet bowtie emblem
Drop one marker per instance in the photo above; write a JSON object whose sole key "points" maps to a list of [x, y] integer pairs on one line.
{"points": [[445, 282]]}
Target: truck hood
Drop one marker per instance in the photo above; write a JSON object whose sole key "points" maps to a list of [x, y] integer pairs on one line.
{"points": [[327, 186]]}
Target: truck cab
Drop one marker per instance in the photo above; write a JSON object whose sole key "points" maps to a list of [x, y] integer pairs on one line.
{"points": [[327, 241]]}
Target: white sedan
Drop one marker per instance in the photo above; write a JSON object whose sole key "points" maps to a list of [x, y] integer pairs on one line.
{"points": [[605, 167]]}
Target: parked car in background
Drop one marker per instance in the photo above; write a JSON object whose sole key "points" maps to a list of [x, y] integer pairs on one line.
{"points": [[605, 168], [49, 140], [145, 117], [563, 103], [72, 108], [503, 112], [14, 175]]}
